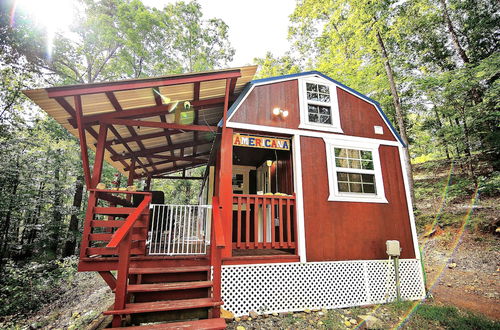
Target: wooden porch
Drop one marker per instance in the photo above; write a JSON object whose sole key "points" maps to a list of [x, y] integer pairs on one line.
{"points": [[149, 129]]}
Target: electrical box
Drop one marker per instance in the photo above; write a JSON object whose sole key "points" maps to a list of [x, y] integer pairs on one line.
{"points": [[393, 248]]}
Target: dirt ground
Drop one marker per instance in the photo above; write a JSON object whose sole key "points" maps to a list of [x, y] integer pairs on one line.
{"points": [[471, 278]]}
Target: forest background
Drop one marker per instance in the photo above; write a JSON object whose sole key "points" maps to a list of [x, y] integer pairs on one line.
{"points": [[432, 65]]}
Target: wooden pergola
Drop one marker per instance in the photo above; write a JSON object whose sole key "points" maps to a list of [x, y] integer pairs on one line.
{"points": [[145, 128]]}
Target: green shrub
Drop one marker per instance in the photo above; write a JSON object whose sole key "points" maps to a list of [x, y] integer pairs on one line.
{"points": [[27, 288]]}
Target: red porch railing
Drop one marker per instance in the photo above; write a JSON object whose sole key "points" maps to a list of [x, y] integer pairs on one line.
{"points": [[264, 222]]}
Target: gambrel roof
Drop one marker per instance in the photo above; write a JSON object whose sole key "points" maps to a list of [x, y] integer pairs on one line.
{"points": [[259, 82]]}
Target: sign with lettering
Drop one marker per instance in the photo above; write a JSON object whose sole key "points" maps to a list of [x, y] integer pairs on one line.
{"points": [[255, 141]]}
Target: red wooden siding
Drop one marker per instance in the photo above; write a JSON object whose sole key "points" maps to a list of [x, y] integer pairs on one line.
{"points": [[351, 230], [357, 117], [257, 107]]}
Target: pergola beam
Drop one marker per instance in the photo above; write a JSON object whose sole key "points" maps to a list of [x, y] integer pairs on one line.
{"points": [[112, 98], [152, 151], [169, 170], [149, 83], [138, 138], [185, 159], [178, 177], [144, 112], [142, 123], [155, 110], [172, 158], [69, 109]]}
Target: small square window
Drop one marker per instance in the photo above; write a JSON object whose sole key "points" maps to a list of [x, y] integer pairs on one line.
{"points": [[319, 106]]}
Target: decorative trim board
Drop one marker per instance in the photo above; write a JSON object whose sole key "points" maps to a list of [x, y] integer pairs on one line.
{"points": [[286, 287]]}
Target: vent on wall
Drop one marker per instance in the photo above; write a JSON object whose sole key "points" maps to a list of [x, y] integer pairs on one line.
{"points": [[378, 130]]}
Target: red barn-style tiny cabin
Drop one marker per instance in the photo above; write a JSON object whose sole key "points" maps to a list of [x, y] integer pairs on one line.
{"points": [[305, 182]]}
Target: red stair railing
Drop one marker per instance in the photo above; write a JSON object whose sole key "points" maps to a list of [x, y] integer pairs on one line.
{"points": [[122, 239], [217, 243]]}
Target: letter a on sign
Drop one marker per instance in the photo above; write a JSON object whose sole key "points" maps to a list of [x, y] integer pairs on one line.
{"points": [[255, 141]]}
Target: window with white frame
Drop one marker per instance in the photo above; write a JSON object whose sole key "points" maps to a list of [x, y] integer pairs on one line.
{"points": [[354, 172], [319, 107]]}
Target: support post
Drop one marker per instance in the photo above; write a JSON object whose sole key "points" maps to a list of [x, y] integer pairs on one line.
{"points": [[130, 179], [83, 140], [122, 278], [225, 191], [148, 184], [99, 156]]}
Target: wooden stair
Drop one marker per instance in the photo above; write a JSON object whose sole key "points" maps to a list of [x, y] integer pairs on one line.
{"points": [[208, 324], [169, 295], [150, 292]]}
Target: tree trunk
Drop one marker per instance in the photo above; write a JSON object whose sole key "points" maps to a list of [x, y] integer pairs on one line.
{"points": [[441, 134], [55, 227], [70, 245], [4, 232], [399, 111], [468, 148], [453, 35]]}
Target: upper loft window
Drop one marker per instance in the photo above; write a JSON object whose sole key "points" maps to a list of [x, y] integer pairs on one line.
{"points": [[318, 103], [319, 107]]}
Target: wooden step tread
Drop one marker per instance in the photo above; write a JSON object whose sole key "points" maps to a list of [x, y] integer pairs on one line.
{"points": [[116, 210], [161, 306], [168, 286], [164, 270], [208, 324]]}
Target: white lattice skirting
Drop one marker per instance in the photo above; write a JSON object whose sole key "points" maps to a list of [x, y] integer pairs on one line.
{"points": [[282, 287]]}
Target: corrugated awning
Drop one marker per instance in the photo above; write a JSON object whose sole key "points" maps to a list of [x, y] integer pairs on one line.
{"points": [[147, 119]]}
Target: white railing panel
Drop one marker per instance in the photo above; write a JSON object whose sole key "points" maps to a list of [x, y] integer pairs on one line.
{"points": [[178, 229]]}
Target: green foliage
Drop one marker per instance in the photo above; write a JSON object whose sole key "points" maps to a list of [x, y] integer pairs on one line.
{"points": [[451, 318], [490, 186], [270, 66], [26, 288], [117, 39], [181, 192]]}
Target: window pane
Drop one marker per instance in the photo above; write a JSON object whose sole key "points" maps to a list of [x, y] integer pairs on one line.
{"points": [[343, 187], [341, 152], [312, 108], [325, 119], [323, 89], [367, 165], [369, 188], [341, 162], [311, 87], [353, 153], [324, 98], [366, 155], [368, 178], [354, 177], [355, 187], [356, 183], [354, 163], [341, 176], [324, 110], [312, 96], [313, 118]]}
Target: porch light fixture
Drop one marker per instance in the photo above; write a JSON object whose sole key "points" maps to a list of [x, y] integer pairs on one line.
{"points": [[280, 112]]}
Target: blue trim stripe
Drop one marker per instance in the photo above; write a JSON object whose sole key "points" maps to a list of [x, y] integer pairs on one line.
{"points": [[308, 73]]}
